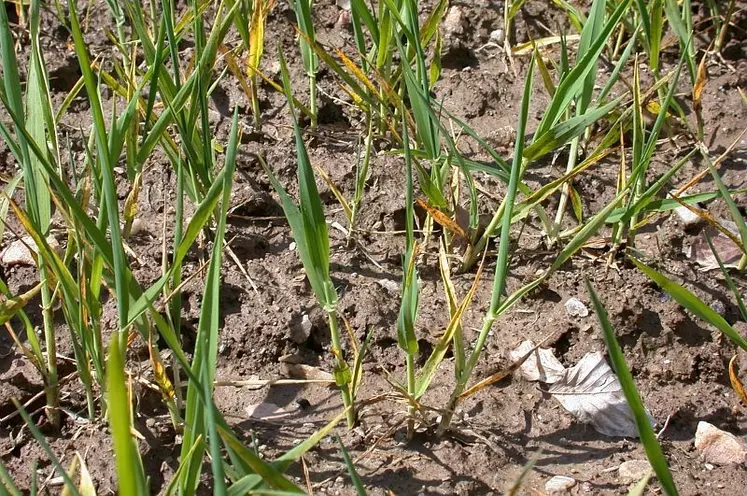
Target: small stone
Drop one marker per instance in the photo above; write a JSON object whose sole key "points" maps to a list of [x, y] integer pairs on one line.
{"points": [[150, 422], [292, 246], [559, 484], [137, 227], [498, 36], [300, 332], [719, 307], [687, 216], [633, 470], [389, 285], [272, 66], [454, 22], [19, 251], [575, 308], [719, 447]]}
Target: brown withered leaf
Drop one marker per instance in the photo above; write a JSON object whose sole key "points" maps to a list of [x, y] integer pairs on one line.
{"points": [[444, 220], [736, 382]]}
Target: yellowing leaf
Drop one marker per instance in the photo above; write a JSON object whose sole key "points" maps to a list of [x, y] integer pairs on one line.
{"points": [[130, 205], [159, 372], [71, 473], [257, 31], [546, 78], [357, 72], [85, 486], [11, 306], [493, 378], [233, 66], [338, 194]]}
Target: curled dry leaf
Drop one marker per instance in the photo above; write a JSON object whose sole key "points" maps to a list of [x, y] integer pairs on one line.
{"points": [[591, 391], [540, 366]]}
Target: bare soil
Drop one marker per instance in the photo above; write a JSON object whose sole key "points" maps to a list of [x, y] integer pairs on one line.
{"points": [[679, 364]]}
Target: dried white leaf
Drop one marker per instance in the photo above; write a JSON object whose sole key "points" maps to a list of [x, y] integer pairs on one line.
{"points": [[591, 391], [540, 366], [728, 251], [266, 411]]}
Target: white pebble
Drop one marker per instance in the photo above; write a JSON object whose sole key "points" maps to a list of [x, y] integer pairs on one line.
{"points": [[575, 308], [498, 36], [559, 484]]}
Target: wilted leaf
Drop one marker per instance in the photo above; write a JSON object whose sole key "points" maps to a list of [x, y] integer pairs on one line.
{"points": [[540, 366], [591, 391]]}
